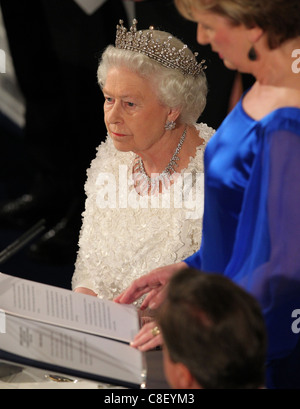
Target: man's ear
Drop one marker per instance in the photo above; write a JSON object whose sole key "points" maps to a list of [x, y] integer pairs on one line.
{"points": [[183, 377]]}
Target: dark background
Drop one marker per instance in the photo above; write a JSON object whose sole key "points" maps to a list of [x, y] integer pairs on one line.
{"points": [[55, 48]]}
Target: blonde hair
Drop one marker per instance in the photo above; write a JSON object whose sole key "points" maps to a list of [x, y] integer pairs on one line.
{"points": [[280, 19], [173, 88]]}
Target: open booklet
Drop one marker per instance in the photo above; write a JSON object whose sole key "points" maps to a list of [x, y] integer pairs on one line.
{"points": [[73, 334]]}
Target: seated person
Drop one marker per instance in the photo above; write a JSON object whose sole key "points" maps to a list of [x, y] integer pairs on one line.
{"points": [[145, 186], [214, 334]]}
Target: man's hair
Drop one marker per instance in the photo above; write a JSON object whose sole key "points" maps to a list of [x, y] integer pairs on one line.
{"points": [[216, 329]]}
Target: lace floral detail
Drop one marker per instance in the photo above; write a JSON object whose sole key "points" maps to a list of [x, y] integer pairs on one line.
{"points": [[125, 235]]}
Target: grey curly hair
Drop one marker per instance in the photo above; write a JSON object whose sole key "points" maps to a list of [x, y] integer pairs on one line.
{"points": [[173, 88]]}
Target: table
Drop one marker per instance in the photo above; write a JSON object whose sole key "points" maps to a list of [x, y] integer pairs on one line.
{"points": [[14, 377]]}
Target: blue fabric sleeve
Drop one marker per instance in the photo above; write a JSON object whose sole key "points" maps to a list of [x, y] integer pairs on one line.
{"points": [[275, 251], [194, 261]]}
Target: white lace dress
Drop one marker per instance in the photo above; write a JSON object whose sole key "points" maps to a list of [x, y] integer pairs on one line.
{"points": [[125, 235]]}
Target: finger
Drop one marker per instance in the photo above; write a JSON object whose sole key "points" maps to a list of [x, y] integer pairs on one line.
{"points": [[152, 343], [145, 340], [132, 294], [145, 332], [144, 284], [156, 299], [146, 320], [140, 286], [144, 335], [149, 299]]}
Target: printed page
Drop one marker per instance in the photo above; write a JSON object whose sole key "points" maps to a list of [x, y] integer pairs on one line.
{"points": [[65, 308], [71, 352]]}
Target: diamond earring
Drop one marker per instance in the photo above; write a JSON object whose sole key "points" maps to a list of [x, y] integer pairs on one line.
{"points": [[170, 125]]}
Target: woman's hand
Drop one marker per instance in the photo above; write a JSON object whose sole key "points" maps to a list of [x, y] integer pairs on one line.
{"points": [[153, 283], [84, 290], [146, 338]]}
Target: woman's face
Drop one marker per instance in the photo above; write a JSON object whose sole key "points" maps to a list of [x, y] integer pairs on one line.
{"points": [[229, 41], [134, 117]]}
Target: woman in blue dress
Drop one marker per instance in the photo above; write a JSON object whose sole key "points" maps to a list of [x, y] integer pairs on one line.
{"points": [[251, 225]]}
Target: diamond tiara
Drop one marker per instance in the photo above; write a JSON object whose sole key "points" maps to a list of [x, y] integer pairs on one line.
{"points": [[163, 52]]}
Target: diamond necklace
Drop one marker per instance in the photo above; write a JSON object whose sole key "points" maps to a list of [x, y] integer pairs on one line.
{"points": [[144, 183]]}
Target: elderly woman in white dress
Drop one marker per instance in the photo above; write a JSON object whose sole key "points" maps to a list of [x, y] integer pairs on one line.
{"points": [[145, 186]]}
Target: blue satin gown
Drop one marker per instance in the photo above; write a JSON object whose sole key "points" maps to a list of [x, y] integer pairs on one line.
{"points": [[251, 225]]}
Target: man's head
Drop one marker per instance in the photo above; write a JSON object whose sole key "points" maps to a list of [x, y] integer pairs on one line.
{"points": [[214, 333]]}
